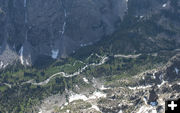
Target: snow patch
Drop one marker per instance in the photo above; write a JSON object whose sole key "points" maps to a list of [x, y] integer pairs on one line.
{"points": [[55, 53], [27, 63], [21, 55], [120, 111], [140, 87], [164, 5], [103, 88], [141, 17], [86, 80], [154, 111], [40, 111], [94, 96], [97, 95], [77, 97], [176, 70], [1, 65], [143, 77], [66, 104]]}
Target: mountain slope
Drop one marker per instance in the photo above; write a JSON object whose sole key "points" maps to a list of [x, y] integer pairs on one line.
{"points": [[131, 69], [55, 28]]}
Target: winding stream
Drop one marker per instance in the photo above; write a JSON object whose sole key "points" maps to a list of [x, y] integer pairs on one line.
{"points": [[103, 60]]}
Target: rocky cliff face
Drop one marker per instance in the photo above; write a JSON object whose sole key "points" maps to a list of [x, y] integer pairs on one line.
{"points": [[55, 28]]}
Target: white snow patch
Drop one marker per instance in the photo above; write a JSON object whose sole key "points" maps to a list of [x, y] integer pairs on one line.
{"points": [[97, 95], [55, 53], [40, 111], [140, 87], [21, 55], [120, 111], [154, 76], [176, 70], [62, 107], [141, 17], [154, 111], [103, 88], [77, 97], [27, 63], [164, 5], [66, 104], [143, 77], [86, 80], [1, 65], [94, 96]]}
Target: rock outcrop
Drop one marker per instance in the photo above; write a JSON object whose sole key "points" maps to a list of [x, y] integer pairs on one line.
{"points": [[48, 27]]}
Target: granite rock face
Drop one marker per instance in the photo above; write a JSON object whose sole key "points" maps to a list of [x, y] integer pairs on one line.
{"points": [[56, 28]]}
